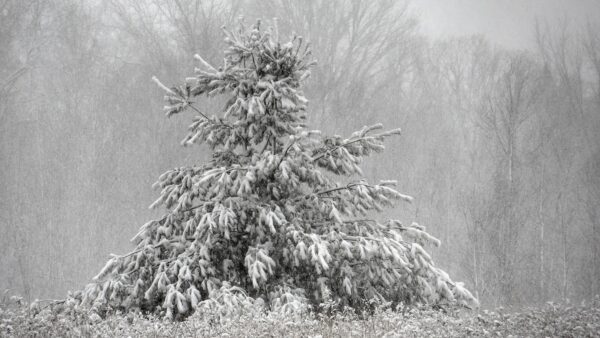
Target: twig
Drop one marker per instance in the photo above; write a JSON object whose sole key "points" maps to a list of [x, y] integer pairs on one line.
{"points": [[14, 77], [338, 147], [53, 302], [285, 152], [189, 104], [347, 221], [347, 187]]}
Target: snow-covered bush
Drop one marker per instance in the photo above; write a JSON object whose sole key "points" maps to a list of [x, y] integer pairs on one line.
{"points": [[552, 320], [266, 218]]}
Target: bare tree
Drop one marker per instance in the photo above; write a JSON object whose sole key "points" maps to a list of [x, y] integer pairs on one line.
{"points": [[18, 21], [591, 180], [170, 31], [509, 107], [568, 141]]}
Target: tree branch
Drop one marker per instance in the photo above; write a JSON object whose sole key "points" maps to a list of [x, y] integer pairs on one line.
{"points": [[338, 147], [347, 187], [13, 78], [189, 104], [285, 153]]}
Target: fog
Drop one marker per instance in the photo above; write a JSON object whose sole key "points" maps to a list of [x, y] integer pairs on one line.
{"points": [[508, 23], [499, 103]]}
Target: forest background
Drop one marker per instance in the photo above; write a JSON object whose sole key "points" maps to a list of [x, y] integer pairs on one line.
{"points": [[500, 144]]}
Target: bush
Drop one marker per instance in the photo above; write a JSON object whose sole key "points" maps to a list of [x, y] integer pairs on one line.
{"points": [[17, 319]]}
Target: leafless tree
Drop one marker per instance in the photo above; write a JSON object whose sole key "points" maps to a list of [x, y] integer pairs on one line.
{"points": [[509, 108]]}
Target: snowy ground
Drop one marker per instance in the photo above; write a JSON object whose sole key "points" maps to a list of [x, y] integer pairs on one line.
{"points": [[552, 320]]}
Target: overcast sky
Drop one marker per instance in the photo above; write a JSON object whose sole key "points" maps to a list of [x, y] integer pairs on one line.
{"points": [[507, 22]]}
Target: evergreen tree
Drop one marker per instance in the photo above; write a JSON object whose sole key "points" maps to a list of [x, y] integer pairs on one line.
{"points": [[266, 216]]}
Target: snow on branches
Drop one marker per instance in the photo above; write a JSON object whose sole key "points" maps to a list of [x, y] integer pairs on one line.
{"points": [[265, 217]]}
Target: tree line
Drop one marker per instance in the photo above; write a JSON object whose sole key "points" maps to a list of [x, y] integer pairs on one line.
{"points": [[499, 147]]}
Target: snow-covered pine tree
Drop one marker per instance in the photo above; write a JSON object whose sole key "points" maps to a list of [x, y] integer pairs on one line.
{"points": [[265, 215]]}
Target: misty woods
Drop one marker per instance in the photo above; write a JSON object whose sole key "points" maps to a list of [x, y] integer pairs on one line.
{"points": [[498, 148]]}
